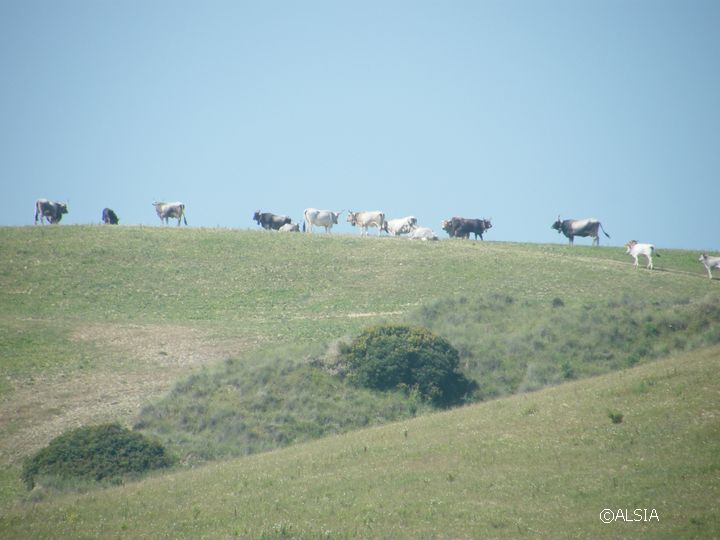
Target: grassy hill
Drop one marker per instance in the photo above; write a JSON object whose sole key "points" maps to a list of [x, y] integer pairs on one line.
{"points": [[543, 464], [98, 322]]}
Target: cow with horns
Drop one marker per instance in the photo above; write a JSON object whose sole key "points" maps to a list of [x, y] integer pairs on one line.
{"points": [[580, 227]]}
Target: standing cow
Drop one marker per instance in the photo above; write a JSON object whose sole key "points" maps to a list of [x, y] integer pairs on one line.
{"points": [[366, 219], [50, 210], [580, 227], [320, 218], [109, 217], [462, 228], [709, 263], [165, 211]]}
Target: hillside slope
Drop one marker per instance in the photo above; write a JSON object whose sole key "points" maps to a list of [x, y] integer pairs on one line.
{"points": [[99, 321], [544, 464]]}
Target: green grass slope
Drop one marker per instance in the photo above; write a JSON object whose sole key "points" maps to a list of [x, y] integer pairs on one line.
{"points": [[98, 322], [544, 464]]}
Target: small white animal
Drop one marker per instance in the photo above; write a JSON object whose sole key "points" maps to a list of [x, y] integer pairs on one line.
{"points": [[635, 249], [710, 263]]}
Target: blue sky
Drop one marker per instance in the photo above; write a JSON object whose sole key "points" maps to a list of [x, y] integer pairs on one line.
{"points": [[515, 110]]}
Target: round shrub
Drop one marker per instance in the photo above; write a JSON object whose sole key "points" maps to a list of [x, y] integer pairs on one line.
{"points": [[413, 358], [95, 453]]}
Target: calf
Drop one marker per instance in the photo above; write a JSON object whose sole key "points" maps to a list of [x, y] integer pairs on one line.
{"points": [[50, 210], [635, 249], [710, 263]]}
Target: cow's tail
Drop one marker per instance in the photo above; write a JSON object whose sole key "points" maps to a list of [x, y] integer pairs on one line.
{"points": [[603, 230]]}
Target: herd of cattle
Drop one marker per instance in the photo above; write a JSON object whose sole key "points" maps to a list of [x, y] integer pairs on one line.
{"points": [[455, 227]]}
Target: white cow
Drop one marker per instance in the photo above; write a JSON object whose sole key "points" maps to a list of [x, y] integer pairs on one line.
{"points": [[635, 249], [710, 263], [165, 211], [290, 227], [400, 226], [366, 219], [320, 218], [422, 233]]}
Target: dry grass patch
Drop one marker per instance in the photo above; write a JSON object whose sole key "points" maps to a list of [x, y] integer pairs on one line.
{"points": [[135, 364]]}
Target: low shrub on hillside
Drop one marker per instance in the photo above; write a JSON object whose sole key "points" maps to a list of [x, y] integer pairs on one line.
{"points": [[266, 400], [395, 356], [95, 453], [511, 346]]}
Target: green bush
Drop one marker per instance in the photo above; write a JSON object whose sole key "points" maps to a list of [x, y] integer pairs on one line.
{"points": [[95, 453], [412, 358]]}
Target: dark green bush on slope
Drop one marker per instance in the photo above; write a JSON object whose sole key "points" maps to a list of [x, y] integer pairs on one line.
{"points": [[395, 356], [95, 453]]}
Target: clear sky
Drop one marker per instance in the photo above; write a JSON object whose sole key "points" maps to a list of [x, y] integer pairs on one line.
{"points": [[515, 110]]}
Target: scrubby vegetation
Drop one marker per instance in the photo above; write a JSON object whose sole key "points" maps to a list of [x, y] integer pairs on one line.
{"points": [[97, 453], [510, 345], [389, 357], [266, 401], [481, 348]]}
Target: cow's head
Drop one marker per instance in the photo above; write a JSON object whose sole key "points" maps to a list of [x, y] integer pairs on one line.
{"points": [[62, 209], [557, 225], [630, 245], [351, 218], [256, 216], [383, 227], [487, 224], [335, 216], [447, 225]]}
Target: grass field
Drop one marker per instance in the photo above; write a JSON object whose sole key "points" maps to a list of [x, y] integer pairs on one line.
{"points": [[98, 322]]}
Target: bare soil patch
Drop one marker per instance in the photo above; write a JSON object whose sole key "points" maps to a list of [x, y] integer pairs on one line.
{"points": [[135, 364]]}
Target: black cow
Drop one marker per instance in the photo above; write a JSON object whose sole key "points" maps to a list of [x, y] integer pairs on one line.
{"points": [[580, 227], [461, 227], [52, 211], [109, 217], [270, 221]]}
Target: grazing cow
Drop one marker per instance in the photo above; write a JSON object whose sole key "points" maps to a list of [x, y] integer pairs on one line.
{"points": [[635, 249], [290, 227], [422, 233], [109, 217], [461, 227], [165, 211], [269, 221], [399, 226], [52, 211], [580, 227], [366, 220], [710, 263], [320, 218]]}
